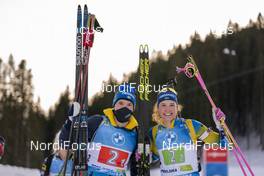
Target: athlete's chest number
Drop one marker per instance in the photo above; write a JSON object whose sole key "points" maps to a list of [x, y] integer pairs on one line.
{"points": [[112, 157], [173, 156], [112, 160]]}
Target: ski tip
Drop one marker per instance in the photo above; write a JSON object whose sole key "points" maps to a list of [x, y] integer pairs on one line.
{"points": [[85, 16], [79, 9], [141, 48], [91, 15], [146, 49], [85, 7], [79, 16], [92, 21]]}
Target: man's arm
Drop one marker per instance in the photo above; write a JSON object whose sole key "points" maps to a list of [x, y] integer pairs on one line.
{"points": [[93, 123]]}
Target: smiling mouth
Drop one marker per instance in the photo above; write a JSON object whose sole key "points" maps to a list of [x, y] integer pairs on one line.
{"points": [[168, 114]]}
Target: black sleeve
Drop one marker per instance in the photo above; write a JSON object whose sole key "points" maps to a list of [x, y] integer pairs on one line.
{"points": [[133, 162], [133, 165], [93, 123], [45, 168], [65, 132]]}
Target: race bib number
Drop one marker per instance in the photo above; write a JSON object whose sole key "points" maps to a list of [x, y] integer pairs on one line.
{"points": [[112, 157], [173, 156]]}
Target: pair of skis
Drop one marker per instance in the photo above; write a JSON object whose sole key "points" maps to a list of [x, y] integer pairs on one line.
{"points": [[191, 70], [86, 27], [143, 164]]}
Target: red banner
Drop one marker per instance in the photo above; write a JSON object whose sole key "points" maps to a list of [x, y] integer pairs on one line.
{"points": [[215, 155]]}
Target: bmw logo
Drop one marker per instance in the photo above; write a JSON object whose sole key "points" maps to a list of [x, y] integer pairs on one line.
{"points": [[118, 138], [171, 137]]}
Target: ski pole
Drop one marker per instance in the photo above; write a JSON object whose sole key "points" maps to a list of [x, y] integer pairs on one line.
{"points": [[190, 71], [226, 129]]}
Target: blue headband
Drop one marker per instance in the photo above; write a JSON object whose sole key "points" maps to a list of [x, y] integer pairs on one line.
{"points": [[125, 92], [167, 95]]}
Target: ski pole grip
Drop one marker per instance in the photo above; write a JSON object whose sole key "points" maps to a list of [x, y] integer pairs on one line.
{"points": [[189, 70]]}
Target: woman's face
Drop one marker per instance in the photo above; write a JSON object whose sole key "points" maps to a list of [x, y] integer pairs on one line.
{"points": [[167, 110]]}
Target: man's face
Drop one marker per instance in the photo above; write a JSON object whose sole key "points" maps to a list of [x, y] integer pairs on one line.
{"points": [[123, 103]]}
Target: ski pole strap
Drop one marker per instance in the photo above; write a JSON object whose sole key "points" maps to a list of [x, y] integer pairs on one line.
{"points": [[97, 26]]}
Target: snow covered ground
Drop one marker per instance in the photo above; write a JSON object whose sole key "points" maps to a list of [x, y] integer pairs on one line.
{"points": [[6, 170]]}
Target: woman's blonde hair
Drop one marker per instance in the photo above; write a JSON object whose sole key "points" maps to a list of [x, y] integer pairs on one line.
{"points": [[156, 117]]}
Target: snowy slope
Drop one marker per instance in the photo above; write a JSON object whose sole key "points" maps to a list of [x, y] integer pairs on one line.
{"points": [[6, 170]]}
